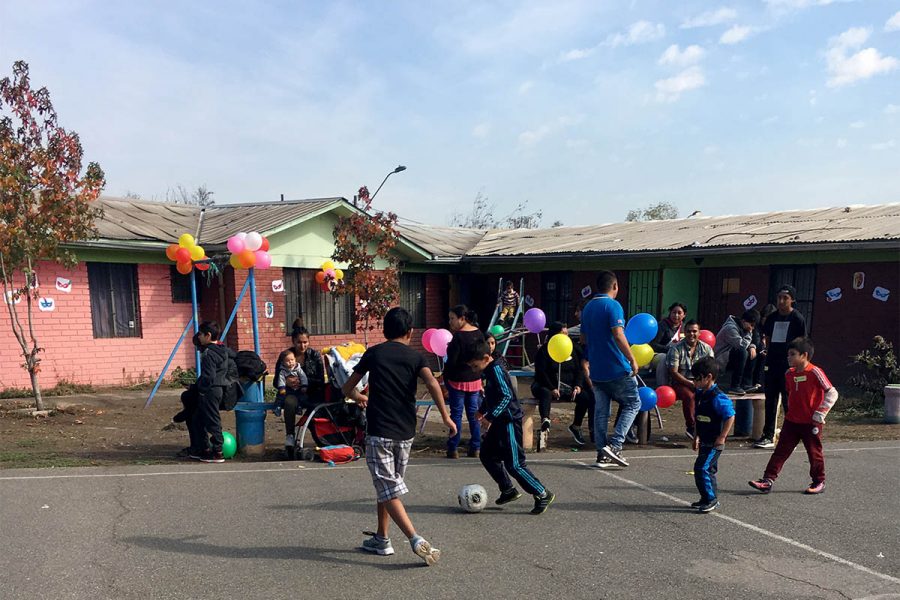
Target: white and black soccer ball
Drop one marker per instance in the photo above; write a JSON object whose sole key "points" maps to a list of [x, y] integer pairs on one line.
{"points": [[472, 498]]}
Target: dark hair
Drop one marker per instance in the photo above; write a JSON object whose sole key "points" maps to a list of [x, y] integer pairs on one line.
{"points": [[284, 354], [767, 310], [751, 316], [462, 312], [555, 327], [705, 366], [803, 345], [210, 327], [508, 282], [397, 323], [691, 322], [605, 281], [298, 331], [478, 352], [674, 304]]}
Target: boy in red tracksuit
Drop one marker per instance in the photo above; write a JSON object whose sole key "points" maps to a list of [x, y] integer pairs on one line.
{"points": [[810, 397]]}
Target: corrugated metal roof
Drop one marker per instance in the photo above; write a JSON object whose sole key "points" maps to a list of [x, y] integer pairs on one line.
{"points": [[441, 242]]}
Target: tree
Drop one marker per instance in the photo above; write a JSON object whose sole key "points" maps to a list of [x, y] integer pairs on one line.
{"points": [[360, 240], [482, 216], [46, 202], [201, 197], [654, 212]]}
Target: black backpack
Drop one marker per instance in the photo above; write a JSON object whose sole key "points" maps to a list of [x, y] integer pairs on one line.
{"points": [[233, 390], [249, 365]]}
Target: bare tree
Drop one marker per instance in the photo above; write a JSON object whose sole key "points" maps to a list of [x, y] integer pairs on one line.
{"points": [[654, 212], [202, 196], [482, 216]]}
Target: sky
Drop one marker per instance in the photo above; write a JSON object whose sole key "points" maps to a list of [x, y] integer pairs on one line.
{"points": [[582, 109]]}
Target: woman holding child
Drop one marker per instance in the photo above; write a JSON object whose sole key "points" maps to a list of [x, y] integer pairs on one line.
{"points": [[463, 382], [295, 364]]}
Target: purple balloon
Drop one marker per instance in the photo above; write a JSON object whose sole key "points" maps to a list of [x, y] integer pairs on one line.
{"points": [[439, 341], [535, 320]]}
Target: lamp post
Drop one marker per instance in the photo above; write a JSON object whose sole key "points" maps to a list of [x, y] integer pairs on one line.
{"points": [[397, 170]]}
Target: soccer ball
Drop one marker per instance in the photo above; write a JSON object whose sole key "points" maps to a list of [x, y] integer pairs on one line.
{"points": [[472, 498]]}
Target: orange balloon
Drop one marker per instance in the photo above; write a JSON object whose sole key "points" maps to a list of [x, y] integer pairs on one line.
{"points": [[320, 277], [171, 250], [184, 268], [247, 258], [202, 266]]}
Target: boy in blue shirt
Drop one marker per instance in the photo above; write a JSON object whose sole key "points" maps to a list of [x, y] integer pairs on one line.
{"points": [[714, 417]]}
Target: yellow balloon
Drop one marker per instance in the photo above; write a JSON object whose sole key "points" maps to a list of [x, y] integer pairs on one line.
{"points": [[560, 347], [235, 262], [196, 252], [338, 274], [643, 354], [327, 265], [186, 240]]}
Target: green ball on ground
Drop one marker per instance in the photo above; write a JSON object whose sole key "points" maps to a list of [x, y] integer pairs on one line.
{"points": [[229, 445]]}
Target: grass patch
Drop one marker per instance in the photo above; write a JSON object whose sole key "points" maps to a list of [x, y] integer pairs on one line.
{"points": [[31, 443], [63, 388], [13, 459]]}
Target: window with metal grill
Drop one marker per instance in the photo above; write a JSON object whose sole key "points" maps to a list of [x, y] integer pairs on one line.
{"points": [[412, 297], [115, 305], [323, 313]]}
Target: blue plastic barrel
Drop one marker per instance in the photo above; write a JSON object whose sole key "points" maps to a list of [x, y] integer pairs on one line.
{"points": [[250, 419], [743, 417]]}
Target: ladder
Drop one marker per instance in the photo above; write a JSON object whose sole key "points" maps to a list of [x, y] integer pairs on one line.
{"points": [[514, 336]]}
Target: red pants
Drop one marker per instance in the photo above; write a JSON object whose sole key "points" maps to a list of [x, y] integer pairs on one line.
{"points": [[791, 435], [686, 395]]}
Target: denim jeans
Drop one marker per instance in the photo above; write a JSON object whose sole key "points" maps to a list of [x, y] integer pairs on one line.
{"points": [[624, 391], [470, 401]]}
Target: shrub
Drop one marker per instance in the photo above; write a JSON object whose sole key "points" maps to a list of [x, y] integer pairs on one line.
{"points": [[877, 367]]}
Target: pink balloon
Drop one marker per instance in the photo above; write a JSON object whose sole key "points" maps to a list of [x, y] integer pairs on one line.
{"points": [[439, 342], [329, 273], [426, 338], [263, 260], [235, 244]]}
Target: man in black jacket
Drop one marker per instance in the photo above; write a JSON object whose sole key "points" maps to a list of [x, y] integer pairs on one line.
{"points": [[205, 423]]}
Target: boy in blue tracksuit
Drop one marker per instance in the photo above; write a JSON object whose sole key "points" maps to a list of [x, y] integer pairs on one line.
{"points": [[501, 425], [714, 418]]}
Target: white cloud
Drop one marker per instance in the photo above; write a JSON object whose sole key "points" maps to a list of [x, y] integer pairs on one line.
{"points": [[892, 109], [888, 145], [893, 24], [735, 35], [532, 136], [640, 32], [576, 54], [710, 18], [525, 87], [481, 131], [681, 58], [845, 68], [857, 124], [669, 90], [840, 143]]}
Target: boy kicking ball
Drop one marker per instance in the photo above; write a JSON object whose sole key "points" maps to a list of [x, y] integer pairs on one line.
{"points": [[501, 425], [714, 418], [810, 397], [394, 369]]}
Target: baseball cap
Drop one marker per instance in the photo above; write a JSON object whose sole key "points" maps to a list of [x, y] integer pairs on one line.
{"points": [[789, 290]]}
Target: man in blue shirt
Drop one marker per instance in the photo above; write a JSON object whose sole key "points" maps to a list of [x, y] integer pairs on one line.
{"points": [[612, 368]]}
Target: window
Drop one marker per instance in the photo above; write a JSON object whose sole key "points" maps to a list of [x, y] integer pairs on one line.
{"points": [[181, 286], [115, 306], [556, 296], [412, 297], [643, 292], [322, 312], [804, 281]]}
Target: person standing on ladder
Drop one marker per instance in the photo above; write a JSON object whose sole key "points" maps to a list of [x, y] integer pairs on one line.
{"points": [[509, 303]]}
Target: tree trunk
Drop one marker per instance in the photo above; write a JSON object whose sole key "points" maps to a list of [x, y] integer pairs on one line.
{"points": [[36, 389]]}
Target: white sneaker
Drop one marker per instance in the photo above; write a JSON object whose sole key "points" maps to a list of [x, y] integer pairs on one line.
{"points": [[423, 549]]}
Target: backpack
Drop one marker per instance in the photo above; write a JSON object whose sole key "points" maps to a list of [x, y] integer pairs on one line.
{"points": [[249, 365], [338, 455], [233, 390]]}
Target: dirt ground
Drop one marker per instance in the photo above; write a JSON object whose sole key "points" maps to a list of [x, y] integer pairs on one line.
{"points": [[113, 428]]}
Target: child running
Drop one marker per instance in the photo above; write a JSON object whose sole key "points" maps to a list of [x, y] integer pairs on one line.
{"points": [[393, 369], [810, 397], [501, 450], [714, 417]]}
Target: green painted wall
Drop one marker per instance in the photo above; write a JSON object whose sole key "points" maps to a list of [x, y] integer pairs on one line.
{"points": [[122, 256], [681, 285]]}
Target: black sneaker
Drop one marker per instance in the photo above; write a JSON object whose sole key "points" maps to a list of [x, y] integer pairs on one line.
{"points": [[184, 453], [690, 433], [545, 425], [764, 443], [615, 455], [603, 461], [576, 434], [708, 507], [507, 496], [541, 504], [208, 456], [180, 417], [736, 391], [698, 503]]}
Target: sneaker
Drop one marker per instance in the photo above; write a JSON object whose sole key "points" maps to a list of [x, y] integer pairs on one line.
{"points": [[815, 488], [473, 453], [698, 503], [690, 433], [752, 389], [208, 456], [736, 391], [381, 547], [541, 504], [180, 417], [576, 434], [545, 425], [603, 461], [761, 485], [184, 453], [423, 549], [709, 506], [764, 442], [615, 455], [452, 454], [507, 496]]}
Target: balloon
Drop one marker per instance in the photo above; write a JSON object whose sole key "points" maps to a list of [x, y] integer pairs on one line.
{"points": [[265, 244], [235, 261], [327, 265], [241, 235], [263, 260], [643, 354], [183, 255], [708, 337], [186, 240], [496, 330], [235, 244], [197, 252], [329, 273], [426, 338], [338, 274], [320, 277], [202, 266], [560, 347], [184, 267], [439, 341], [648, 398], [229, 445], [325, 287], [641, 329], [665, 396], [253, 241], [247, 258], [535, 320], [171, 251]]}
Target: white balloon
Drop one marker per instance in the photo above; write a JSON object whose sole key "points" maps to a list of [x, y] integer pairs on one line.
{"points": [[253, 241], [241, 235]]}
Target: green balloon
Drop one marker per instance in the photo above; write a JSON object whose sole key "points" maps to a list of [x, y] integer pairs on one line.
{"points": [[229, 445], [496, 330]]}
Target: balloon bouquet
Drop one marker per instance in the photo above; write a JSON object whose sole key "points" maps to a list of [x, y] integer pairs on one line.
{"points": [[185, 254], [639, 331], [330, 277], [249, 251]]}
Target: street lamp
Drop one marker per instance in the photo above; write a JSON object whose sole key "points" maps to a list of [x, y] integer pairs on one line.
{"points": [[397, 170]]}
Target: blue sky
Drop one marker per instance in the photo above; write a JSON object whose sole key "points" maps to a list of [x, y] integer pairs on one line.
{"points": [[584, 109]]}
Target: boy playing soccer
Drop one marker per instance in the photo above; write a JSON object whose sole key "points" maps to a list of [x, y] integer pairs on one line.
{"points": [[393, 369], [714, 416], [810, 397], [501, 450]]}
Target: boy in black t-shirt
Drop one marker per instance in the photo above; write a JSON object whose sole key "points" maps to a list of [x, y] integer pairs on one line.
{"points": [[393, 369]]}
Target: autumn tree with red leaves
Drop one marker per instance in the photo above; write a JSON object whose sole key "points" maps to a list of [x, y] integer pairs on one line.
{"points": [[359, 241], [46, 202]]}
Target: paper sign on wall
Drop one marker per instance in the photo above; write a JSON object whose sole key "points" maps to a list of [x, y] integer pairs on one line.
{"points": [[47, 304], [586, 291], [750, 302], [9, 298], [529, 301], [859, 280], [64, 285], [278, 285], [270, 310], [834, 294], [880, 293]]}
